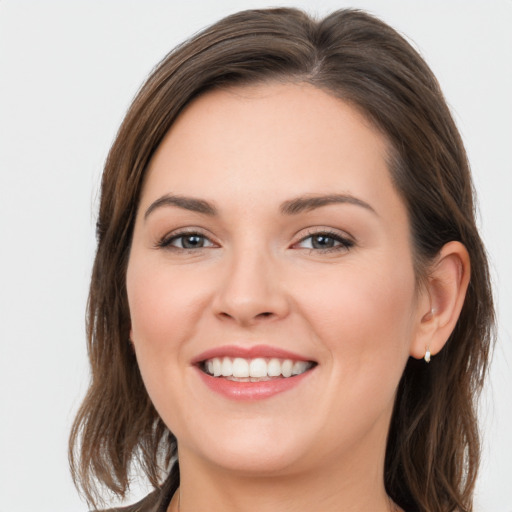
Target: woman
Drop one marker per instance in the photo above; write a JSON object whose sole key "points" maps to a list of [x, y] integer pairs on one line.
{"points": [[290, 305]]}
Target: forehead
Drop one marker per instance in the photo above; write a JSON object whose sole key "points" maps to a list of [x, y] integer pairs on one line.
{"points": [[270, 141]]}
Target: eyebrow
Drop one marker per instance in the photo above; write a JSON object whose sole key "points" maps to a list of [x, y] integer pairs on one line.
{"points": [[307, 203], [290, 207], [187, 203]]}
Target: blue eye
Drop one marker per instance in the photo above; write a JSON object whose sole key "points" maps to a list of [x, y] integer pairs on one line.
{"points": [[187, 241], [325, 242]]}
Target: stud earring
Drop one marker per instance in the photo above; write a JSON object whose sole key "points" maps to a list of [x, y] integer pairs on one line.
{"points": [[427, 355]]}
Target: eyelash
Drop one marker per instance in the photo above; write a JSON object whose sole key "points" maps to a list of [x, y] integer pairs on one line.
{"points": [[166, 241], [344, 244]]}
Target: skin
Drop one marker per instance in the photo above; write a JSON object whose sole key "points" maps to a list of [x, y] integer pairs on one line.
{"points": [[355, 310]]}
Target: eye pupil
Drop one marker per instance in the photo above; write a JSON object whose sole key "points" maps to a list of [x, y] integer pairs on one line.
{"points": [[192, 241], [322, 241]]}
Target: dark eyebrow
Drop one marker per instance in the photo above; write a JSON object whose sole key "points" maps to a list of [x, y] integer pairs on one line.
{"points": [[291, 207], [306, 203], [187, 203]]}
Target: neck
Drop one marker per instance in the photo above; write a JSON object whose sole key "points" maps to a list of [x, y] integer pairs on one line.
{"points": [[355, 486]]}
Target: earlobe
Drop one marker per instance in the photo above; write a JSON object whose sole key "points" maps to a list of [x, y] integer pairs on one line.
{"points": [[446, 287]]}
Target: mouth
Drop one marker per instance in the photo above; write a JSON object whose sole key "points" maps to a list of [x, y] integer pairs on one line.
{"points": [[257, 369], [252, 373]]}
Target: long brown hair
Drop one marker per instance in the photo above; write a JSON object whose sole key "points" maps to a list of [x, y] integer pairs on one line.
{"points": [[432, 453]]}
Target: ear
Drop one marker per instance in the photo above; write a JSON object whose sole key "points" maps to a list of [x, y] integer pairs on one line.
{"points": [[442, 300]]}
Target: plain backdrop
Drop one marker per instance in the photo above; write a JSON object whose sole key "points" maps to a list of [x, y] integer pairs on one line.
{"points": [[68, 71]]}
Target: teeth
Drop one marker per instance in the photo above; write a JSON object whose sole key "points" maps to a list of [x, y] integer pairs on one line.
{"points": [[274, 368], [226, 368], [258, 368], [299, 367], [240, 367], [217, 367], [253, 369], [286, 368]]}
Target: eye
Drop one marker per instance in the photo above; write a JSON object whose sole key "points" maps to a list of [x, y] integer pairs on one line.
{"points": [[325, 241], [187, 241]]}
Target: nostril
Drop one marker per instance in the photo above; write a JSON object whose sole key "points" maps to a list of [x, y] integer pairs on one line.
{"points": [[246, 319]]}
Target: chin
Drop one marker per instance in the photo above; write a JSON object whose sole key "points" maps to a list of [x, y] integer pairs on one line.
{"points": [[269, 461], [255, 450]]}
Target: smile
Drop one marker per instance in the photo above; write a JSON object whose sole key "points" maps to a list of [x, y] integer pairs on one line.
{"points": [[254, 370], [252, 373]]}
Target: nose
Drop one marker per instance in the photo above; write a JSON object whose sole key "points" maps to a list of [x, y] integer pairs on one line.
{"points": [[250, 291]]}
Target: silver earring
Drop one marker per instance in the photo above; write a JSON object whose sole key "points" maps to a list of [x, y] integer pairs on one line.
{"points": [[427, 355]]}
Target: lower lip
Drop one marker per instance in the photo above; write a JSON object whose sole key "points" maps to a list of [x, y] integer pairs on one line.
{"points": [[252, 390]]}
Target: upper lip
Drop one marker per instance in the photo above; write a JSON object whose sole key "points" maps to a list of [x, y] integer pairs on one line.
{"points": [[253, 352]]}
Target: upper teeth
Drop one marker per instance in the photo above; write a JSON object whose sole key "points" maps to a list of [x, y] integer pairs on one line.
{"points": [[259, 367]]}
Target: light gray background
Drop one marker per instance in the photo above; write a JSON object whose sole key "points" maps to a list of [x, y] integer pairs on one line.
{"points": [[68, 71]]}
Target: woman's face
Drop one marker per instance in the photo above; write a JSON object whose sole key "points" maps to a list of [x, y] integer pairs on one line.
{"points": [[270, 240]]}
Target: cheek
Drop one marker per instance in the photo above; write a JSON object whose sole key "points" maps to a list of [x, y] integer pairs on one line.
{"points": [[363, 322], [164, 309], [164, 317], [363, 313], [161, 303]]}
